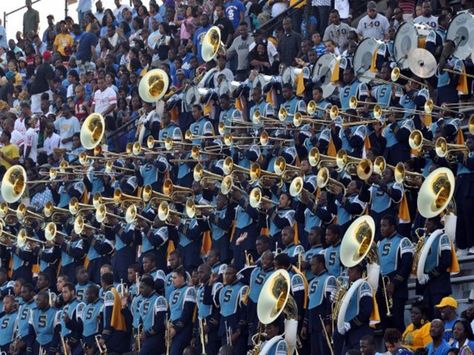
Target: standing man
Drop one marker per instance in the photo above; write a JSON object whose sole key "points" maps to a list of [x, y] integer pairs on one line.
{"points": [[240, 46], [44, 328], [83, 7], [30, 20], [289, 44], [373, 25], [43, 75]]}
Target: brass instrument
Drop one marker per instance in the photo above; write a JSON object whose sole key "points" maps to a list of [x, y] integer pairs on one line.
{"points": [[211, 44], [202, 336], [418, 248], [196, 152], [221, 128], [282, 168], [50, 210], [334, 111], [275, 299], [353, 102], [297, 188], [446, 150], [342, 285], [228, 139], [265, 139], [418, 142], [85, 159], [101, 348], [51, 231], [14, 183], [258, 119], [4, 234], [153, 85], [80, 225], [192, 209], [436, 192], [120, 197], [378, 111], [97, 200], [256, 198], [326, 335], [165, 211], [401, 175], [65, 346], [131, 215], [199, 173], [227, 185], [396, 74], [138, 340], [75, 207], [317, 159], [101, 214], [429, 106], [364, 167], [22, 238], [6, 210], [137, 149], [23, 213], [248, 258], [324, 180], [229, 167], [92, 131], [169, 189], [188, 135], [168, 337], [312, 107], [110, 168], [149, 195], [299, 119]]}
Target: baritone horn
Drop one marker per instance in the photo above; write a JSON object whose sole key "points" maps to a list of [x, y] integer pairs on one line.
{"points": [[92, 131], [153, 86], [211, 44]]}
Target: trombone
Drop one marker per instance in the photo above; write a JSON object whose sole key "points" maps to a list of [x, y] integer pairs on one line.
{"points": [[131, 215], [50, 210], [281, 167], [80, 225], [401, 175], [101, 348], [169, 189], [229, 167], [317, 159], [101, 214], [429, 106], [51, 231], [22, 238], [297, 188], [5, 210], [199, 173], [148, 194], [97, 200], [228, 185], [75, 207], [228, 139], [256, 198], [110, 167], [418, 142], [378, 111], [23, 213], [188, 135], [221, 128], [364, 166], [324, 180], [192, 209], [120, 197], [396, 74], [353, 102], [164, 211], [299, 119], [444, 149], [258, 119]]}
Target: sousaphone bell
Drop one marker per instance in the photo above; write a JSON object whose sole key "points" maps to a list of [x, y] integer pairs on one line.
{"points": [[211, 44], [92, 131], [154, 85]]}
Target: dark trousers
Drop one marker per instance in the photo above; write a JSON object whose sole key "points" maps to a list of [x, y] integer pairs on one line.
{"points": [[319, 344], [322, 14], [181, 340], [153, 345]]}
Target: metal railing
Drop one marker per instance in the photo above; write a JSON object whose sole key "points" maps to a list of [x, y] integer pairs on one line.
{"points": [[6, 14]]}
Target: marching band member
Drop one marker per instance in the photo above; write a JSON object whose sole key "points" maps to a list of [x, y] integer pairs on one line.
{"points": [[174, 262], [280, 217], [290, 103], [182, 302], [294, 251], [99, 252], [114, 333], [356, 319], [83, 283], [315, 247], [155, 238], [8, 320], [72, 252], [258, 276], [21, 345], [125, 251], [92, 317], [351, 87], [6, 286], [396, 257], [332, 252], [69, 318], [220, 221], [350, 204], [275, 343], [438, 282], [153, 309], [208, 314], [319, 306], [43, 326], [231, 300], [214, 261]]}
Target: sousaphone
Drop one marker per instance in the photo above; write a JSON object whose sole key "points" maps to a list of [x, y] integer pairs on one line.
{"points": [[211, 44], [92, 131], [459, 31], [275, 299], [154, 85]]}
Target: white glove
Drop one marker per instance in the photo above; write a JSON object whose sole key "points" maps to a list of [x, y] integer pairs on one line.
{"points": [[347, 327], [333, 295], [424, 279]]}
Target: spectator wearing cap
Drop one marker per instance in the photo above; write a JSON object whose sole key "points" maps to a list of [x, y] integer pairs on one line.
{"points": [[373, 25], [66, 124], [447, 309], [43, 75], [30, 19], [289, 45]]}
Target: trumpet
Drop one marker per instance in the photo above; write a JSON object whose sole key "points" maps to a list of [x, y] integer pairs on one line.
{"points": [[444, 149], [396, 74], [324, 180], [317, 159], [418, 142], [256, 198], [192, 209]]}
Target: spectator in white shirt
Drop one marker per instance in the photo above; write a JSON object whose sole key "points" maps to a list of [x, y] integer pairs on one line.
{"points": [[66, 124], [426, 18], [31, 139], [51, 140], [373, 25], [222, 70], [105, 99], [99, 14]]}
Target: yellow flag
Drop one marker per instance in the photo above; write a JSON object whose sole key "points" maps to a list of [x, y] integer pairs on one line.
{"points": [[403, 211], [331, 148], [373, 62], [238, 104], [375, 315], [460, 137], [462, 83], [335, 72], [299, 84]]}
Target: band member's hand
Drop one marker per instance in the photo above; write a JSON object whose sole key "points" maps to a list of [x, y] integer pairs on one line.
{"points": [[172, 332], [304, 333], [390, 289]]}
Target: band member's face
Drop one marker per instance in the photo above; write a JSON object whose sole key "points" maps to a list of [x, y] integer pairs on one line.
{"points": [[178, 280], [60, 283], [212, 258], [256, 95], [314, 266], [286, 237], [391, 347], [229, 276], [267, 259], [366, 348], [287, 93], [196, 113], [331, 238], [82, 276], [42, 282], [145, 290], [354, 274], [271, 331], [42, 301], [317, 95], [67, 294], [203, 274], [284, 200], [17, 288], [386, 229], [174, 261], [131, 275], [26, 294], [90, 295], [260, 247], [8, 304], [147, 265]]}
